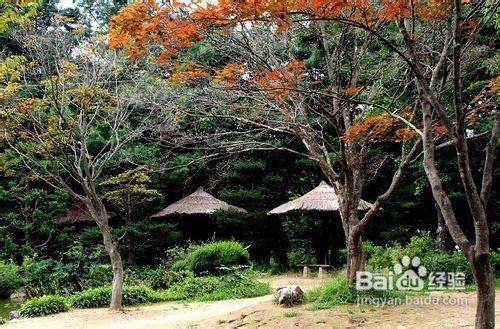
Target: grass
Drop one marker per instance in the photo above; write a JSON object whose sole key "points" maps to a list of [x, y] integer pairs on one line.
{"points": [[339, 292], [472, 287], [291, 314], [211, 288]]}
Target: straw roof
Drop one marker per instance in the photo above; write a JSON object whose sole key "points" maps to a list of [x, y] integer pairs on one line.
{"points": [[77, 213], [321, 198], [197, 203]]}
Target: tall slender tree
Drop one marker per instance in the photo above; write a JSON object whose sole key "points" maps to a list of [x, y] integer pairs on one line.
{"points": [[66, 109]]}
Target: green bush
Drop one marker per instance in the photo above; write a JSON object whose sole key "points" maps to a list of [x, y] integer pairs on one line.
{"points": [[440, 261], [427, 249], [385, 257], [300, 256], [101, 297], [421, 245], [96, 275], [210, 257], [138, 275], [180, 265], [368, 248], [10, 279], [2, 321], [163, 277], [209, 288], [74, 270], [45, 305], [102, 273]]}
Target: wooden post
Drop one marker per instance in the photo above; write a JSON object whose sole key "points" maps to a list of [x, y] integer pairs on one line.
{"points": [[307, 272]]}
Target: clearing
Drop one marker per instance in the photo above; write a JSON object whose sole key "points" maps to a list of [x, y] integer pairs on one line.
{"points": [[260, 312]]}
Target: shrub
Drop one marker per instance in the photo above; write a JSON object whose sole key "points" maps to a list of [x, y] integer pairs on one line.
{"points": [[209, 288], [421, 245], [101, 297], [180, 265], [385, 257], [96, 297], [2, 321], [210, 257], [158, 279], [164, 278], [300, 256], [10, 279], [96, 275], [368, 248], [102, 273], [45, 305], [138, 275], [194, 288], [427, 249], [440, 261]]}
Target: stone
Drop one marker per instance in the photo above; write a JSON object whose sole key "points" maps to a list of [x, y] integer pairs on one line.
{"points": [[290, 295], [14, 315], [19, 295]]}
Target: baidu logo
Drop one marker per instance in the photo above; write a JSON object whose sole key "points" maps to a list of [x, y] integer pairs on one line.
{"points": [[406, 275]]}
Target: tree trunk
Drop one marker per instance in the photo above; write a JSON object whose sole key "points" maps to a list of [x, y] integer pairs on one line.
{"points": [[483, 274], [100, 216], [355, 258], [111, 246], [445, 242]]}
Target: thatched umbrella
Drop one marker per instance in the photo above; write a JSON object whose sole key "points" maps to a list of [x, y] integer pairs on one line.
{"points": [[321, 199], [197, 203], [77, 213]]}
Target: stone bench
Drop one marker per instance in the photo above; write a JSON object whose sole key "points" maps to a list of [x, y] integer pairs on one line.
{"points": [[322, 269]]}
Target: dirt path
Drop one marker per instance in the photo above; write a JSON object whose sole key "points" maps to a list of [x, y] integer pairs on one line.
{"points": [[260, 312], [353, 316], [162, 315]]}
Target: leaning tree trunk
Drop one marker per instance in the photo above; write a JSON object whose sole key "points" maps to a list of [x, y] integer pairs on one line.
{"points": [[111, 245], [483, 274], [355, 258]]}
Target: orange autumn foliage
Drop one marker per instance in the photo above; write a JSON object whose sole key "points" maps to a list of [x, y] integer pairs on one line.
{"points": [[281, 82], [350, 90], [230, 75], [175, 26], [494, 85], [184, 73], [143, 24], [434, 9], [380, 127], [393, 9], [439, 130]]}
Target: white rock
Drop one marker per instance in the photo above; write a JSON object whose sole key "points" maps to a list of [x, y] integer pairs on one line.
{"points": [[290, 295]]}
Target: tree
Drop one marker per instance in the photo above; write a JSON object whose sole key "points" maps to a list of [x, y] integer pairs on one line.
{"points": [[66, 114], [269, 88], [28, 207], [435, 76], [129, 192]]}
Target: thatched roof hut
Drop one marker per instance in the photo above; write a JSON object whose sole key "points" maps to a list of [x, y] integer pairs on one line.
{"points": [[77, 213], [197, 203], [322, 199]]}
